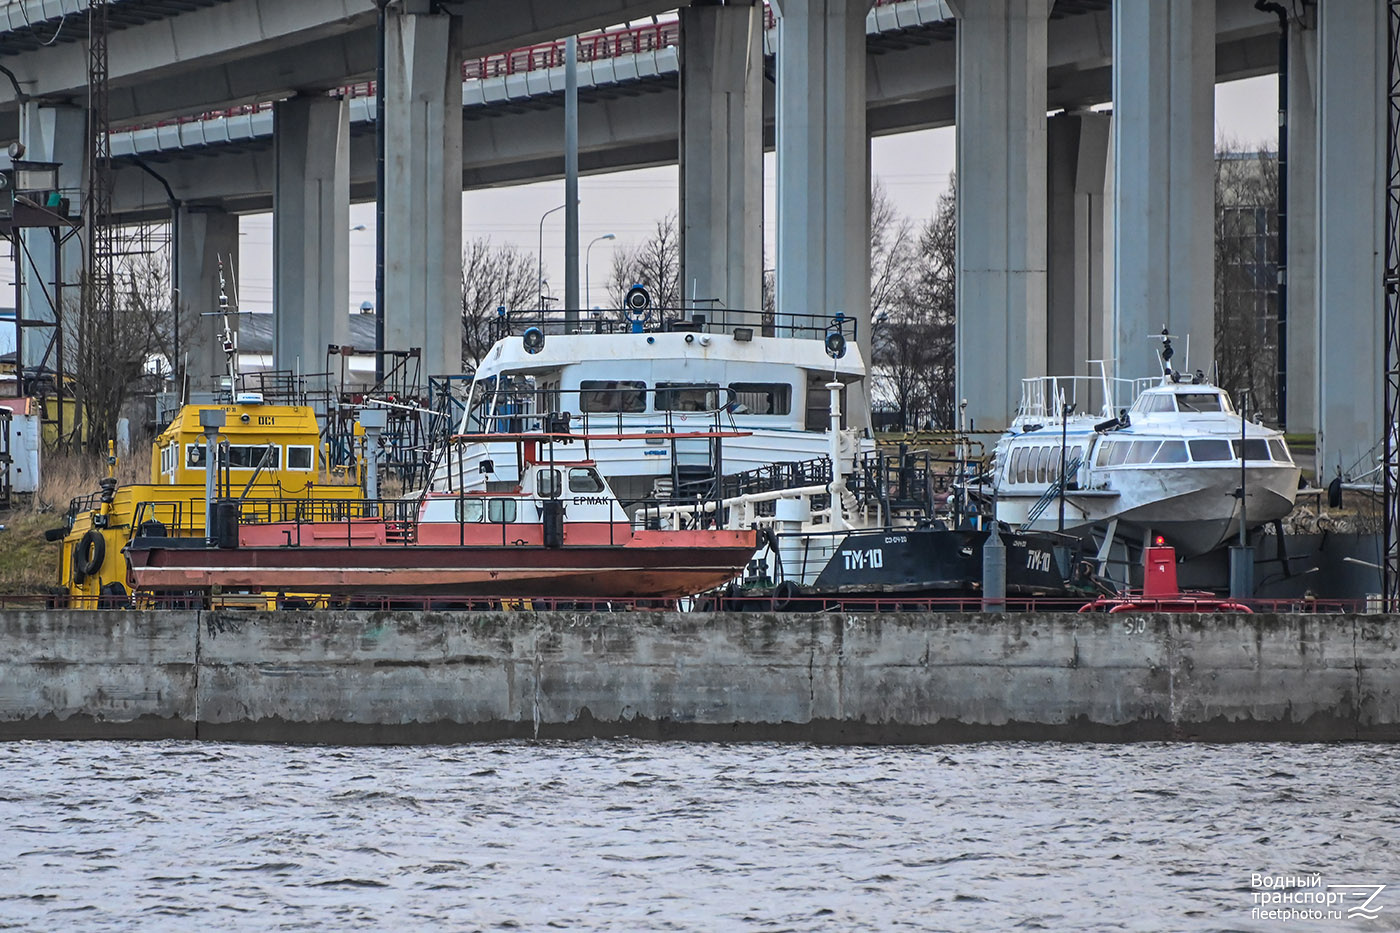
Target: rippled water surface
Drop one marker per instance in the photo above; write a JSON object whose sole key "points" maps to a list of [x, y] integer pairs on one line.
{"points": [[638, 836]]}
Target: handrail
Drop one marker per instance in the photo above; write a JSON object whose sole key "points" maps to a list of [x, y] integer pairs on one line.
{"points": [[699, 320], [1052, 492], [716, 602]]}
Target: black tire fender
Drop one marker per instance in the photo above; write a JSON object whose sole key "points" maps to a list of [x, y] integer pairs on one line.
{"points": [[783, 595], [88, 554]]}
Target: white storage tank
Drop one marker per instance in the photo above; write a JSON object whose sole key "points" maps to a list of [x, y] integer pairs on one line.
{"points": [[24, 443]]}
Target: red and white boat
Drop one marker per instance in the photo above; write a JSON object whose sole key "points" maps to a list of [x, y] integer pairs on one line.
{"points": [[560, 532]]}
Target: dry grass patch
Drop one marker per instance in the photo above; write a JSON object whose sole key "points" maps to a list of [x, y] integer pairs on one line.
{"points": [[29, 563]]}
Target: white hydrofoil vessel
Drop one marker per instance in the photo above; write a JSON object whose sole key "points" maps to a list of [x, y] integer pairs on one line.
{"points": [[1170, 462]]}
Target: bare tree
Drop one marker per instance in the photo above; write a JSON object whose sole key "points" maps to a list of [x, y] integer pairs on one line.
{"points": [[493, 276], [891, 251], [655, 265], [116, 351], [1246, 273], [912, 294], [934, 289]]}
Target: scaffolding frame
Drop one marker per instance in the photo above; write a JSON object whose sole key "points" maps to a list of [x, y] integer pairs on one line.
{"points": [[407, 441]]}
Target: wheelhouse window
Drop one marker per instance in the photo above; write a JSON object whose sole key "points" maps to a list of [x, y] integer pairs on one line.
{"points": [[1142, 451], [1171, 452], [685, 396], [612, 395], [1210, 450], [469, 510], [240, 456], [584, 479], [1280, 450], [299, 457], [1154, 403], [517, 395], [1199, 401], [547, 483], [1255, 448], [500, 510], [251, 456], [762, 398]]}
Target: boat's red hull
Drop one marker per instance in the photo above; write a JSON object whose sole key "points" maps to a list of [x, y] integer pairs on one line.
{"points": [[649, 565]]}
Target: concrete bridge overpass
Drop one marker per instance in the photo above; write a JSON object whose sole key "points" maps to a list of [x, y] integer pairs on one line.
{"points": [[173, 57], [630, 104]]}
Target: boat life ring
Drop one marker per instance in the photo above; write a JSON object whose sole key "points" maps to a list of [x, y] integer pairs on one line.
{"points": [[88, 555], [533, 338]]}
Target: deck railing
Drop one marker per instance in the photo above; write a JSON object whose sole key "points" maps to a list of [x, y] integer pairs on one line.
{"points": [[710, 603]]}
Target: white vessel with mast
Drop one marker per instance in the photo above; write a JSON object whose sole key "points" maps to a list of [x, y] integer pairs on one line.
{"points": [[663, 372], [1167, 456]]}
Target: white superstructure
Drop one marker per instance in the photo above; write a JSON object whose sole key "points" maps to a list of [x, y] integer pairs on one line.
{"points": [[689, 376], [1171, 463]]}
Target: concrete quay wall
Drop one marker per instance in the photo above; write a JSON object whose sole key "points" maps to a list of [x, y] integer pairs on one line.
{"points": [[391, 677]]}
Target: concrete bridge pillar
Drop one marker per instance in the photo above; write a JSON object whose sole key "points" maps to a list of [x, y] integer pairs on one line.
{"points": [[51, 133], [1164, 184], [1001, 214], [1302, 320], [823, 164], [207, 235], [1351, 216], [422, 112], [310, 230], [721, 153], [1078, 169]]}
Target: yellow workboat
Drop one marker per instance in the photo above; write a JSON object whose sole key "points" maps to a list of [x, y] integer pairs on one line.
{"points": [[268, 451]]}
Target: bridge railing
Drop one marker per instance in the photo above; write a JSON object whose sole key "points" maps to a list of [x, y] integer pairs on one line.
{"points": [[598, 46], [592, 47]]}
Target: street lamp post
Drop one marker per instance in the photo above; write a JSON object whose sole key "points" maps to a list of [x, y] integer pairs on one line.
{"points": [[587, 257], [540, 277]]}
